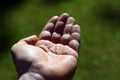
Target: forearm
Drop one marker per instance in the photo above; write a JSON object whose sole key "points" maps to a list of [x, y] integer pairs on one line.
{"points": [[35, 76], [31, 76]]}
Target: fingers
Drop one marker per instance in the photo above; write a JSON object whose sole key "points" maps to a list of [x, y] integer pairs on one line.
{"points": [[62, 30], [63, 17], [71, 34], [59, 28], [53, 20], [69, 25], [48, 29], [54, 28], [75, 38], [72, 37], [70, 21], [76, 32], [66, 37], [50, 25], [57, 32]]}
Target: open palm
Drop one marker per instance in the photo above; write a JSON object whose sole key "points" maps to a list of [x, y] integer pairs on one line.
{"points": [[53, 54]]}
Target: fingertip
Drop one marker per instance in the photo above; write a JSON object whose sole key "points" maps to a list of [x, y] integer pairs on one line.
{"points": [[45, 35], [30, 40], [76, 36], [76, 28], [53, 19], [65, 14], [63, 17], [31, 37], [49, 27], [59, 27], [74, 45], [70, 20], [55, 38], [34, 36], [65, 39]]}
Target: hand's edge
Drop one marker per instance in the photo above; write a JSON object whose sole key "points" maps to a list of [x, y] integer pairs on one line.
{"points": [[31, 76]]}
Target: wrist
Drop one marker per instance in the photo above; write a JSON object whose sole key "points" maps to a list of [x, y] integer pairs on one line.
{"points": [[31, 76]]}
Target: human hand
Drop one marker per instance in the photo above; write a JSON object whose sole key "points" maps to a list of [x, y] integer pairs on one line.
{"points": [[51, 56]]}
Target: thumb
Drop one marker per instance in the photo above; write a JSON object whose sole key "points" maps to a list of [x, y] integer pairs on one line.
{"points": [[30, 40]]}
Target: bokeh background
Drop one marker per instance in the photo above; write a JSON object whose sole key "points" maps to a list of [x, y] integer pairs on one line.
{"points": [[99, 57]]}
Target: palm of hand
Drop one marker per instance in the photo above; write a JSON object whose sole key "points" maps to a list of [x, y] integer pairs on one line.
{"points": [[54, 54]]}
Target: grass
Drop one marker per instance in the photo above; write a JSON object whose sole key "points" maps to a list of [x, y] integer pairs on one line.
{"points": [[99, 56]]}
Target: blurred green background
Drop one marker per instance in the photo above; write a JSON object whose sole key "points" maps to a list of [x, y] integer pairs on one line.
{"points": [[99, 57]]}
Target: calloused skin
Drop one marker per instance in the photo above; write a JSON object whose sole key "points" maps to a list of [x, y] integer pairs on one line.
{"points": [[51, 56]]}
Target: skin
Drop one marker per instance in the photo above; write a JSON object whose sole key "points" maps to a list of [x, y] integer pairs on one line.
{"points": [[51, 56]]}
